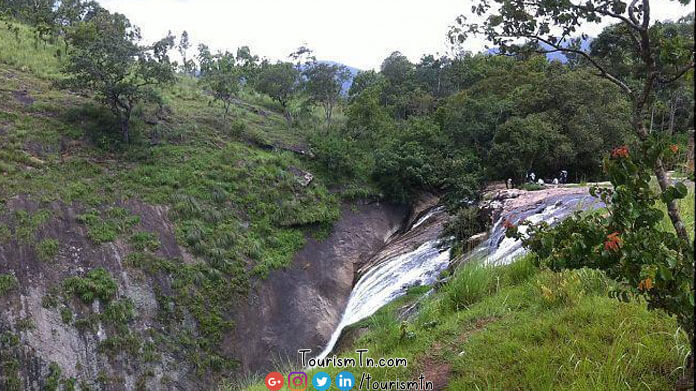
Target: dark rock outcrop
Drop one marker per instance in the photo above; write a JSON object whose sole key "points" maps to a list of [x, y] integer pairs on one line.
{"points": [[300, 307]]}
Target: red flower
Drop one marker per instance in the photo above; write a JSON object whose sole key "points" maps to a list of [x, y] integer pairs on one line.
{"points": [[507, 224], [674, 148], [613, 242], [620, 152]]}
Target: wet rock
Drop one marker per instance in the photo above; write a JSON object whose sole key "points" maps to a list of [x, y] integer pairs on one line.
{"points": [[77, 350], [299, 307]]}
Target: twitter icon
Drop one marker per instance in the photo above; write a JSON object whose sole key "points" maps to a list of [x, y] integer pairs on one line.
{"points": [[321, 381]]}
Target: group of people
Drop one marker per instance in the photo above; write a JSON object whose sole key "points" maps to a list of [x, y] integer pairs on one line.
{"points": [[561, 178], [532, 178]]}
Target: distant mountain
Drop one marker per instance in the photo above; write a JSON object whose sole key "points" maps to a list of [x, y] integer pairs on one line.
{"points": [[353, 73], [555, 56]]}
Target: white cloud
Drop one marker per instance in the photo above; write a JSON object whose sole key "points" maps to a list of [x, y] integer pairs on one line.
{"points": [[359, 33]]}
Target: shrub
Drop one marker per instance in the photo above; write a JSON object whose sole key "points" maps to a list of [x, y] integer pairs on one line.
{"points": [[98, 284], [47, 249], [66, 315], [531, 186], [8, 282], [465, 224], [142, 241], [628, 242]]}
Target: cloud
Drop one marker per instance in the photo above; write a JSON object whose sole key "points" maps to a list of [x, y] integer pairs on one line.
{"points": [[359, 33]]}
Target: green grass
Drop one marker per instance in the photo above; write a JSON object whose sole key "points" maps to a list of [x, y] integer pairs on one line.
{"points": [[141, 241], [525, 329], [47, 249], [97, 284], [23, 52], [8, 282]]}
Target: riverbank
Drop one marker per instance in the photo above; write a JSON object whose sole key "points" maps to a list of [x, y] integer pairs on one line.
{"points": [[519, 327]]}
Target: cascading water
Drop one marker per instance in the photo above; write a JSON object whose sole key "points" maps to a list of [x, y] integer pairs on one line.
{"points": [[501, 250], [388, 281], [390, 278]]}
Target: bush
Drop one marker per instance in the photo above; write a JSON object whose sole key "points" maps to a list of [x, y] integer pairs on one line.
{"points": [[141, 241], [465, 224], [627, 243], [338, 155], [47, 249], [98, 284], [8, 282], [531, 186]]}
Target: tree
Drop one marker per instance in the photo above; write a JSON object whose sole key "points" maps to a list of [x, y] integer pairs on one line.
{"points": [[279, 81], [550, 27], [107, 60], [221, 76], [248, 64], [399, 75], [183, 47], [661, 261], [324, 83], [530, 143], [362, 81]]}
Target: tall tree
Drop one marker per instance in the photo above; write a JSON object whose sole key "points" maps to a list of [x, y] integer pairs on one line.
{"points": [[362, 81], [107, 60], [553, 26], [221, 76], [248, 64], [324, 83], [279, 81], [183, 46]]}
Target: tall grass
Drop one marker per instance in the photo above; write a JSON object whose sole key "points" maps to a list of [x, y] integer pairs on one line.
{"points": [[23, 51], [470, 284]]}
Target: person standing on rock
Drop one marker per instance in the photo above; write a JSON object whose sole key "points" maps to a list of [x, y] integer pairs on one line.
{"points": [[564, 176]]}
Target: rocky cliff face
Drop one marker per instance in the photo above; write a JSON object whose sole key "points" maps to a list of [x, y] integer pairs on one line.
{"points": [[43, 342], [121, 339], [300, 307]]}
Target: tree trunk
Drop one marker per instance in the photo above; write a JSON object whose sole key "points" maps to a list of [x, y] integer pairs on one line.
{"points": [[286, 113], [672, 114], [663, 180], [644, 48], [125, 128]]}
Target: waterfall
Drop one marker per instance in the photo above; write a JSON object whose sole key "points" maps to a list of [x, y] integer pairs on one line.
{"points": [[501, 250], [392, 277], [389, 280]]}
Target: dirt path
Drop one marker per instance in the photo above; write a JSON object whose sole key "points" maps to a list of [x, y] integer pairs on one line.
{"points": [[436, 369]]}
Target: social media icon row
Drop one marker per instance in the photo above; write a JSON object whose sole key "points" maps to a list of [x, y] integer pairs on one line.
{"points": [[321, 381]]}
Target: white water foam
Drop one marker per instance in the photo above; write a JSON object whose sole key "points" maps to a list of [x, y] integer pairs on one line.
{"points": [[388, 281]]}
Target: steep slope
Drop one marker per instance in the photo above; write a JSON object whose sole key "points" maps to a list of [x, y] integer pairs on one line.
{"points": [[126, 266]]}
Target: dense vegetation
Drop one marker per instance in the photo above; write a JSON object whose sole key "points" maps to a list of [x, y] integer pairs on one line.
{"points": [[93, 117]]}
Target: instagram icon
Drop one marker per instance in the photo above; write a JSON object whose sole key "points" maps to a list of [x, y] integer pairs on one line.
{"points": [[297, 381]]}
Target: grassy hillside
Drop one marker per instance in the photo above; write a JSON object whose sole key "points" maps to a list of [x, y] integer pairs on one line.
{"points": [[57, 146], [234, 200], [520, 328]]}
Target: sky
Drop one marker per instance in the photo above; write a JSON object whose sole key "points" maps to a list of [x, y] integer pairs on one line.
{"points": [[358, 33]]}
